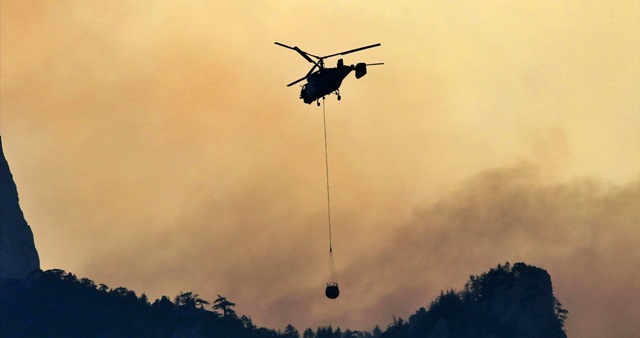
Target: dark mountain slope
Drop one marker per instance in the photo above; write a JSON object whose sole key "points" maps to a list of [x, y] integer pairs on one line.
{"points": [[505, 302], [18, 255]]}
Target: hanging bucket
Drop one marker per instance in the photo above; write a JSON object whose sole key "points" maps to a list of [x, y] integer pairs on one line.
{"points": [[332, 291]]}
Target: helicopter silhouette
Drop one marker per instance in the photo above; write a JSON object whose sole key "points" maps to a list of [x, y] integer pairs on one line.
{"points": [[325, 81]]}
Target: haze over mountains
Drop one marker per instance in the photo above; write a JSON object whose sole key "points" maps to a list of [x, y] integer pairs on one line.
{"points": [[156, 146], [506, 301]]}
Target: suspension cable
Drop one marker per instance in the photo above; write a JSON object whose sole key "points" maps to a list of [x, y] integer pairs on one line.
{"points": [[326, 161]]}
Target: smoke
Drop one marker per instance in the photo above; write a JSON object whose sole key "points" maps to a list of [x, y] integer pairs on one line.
{"points": [[156, 146], [583, 232]]}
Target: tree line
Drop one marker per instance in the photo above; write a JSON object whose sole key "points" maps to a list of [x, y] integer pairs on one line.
{"points": [[55, 303]]}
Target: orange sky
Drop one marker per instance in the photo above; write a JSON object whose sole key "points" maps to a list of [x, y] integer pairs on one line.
{"points": [[156, 146]]}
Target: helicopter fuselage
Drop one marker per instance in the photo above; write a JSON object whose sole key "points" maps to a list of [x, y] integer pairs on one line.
{"points": [[324, 82]]}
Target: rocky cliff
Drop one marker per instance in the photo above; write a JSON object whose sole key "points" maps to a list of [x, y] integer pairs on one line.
{"points": [[515, 302], [18, 254]]}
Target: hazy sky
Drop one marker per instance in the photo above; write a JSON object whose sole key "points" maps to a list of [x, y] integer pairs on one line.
{"points": [[155, 146]]}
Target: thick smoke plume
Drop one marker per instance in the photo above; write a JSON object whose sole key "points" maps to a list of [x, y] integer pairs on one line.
{"points": [[577, 231]]}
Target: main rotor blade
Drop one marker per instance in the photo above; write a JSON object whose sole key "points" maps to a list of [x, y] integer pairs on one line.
{"points": [[375, 64], [304, 77], [304, 54], [296, 81], [311, 71], [352, 50], [283, 45]]}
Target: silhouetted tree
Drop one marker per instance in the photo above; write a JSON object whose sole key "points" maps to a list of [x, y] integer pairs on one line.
{"points": [[88, 283], [446, 304], [185, 300], [397, 329], [57, 273], [69, 277], [189, 300], [483, 286], [144, 300], [123, 294], [308, 333], [561, 313], [221, 303], [247, 323], [103, 288], [163, 304], [356, 334], [201, 303], [324, 332], [263, 332], [290, 332]]}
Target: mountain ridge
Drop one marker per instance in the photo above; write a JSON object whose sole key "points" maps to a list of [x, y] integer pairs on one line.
{"points": [[18, 254], [507, 301]]}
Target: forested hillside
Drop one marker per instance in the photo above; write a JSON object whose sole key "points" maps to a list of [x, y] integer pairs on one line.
{"points": [[506, 301]]}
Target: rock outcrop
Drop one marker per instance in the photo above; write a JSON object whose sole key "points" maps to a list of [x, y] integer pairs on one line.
{"points": [[515, 302], [18, 254]]}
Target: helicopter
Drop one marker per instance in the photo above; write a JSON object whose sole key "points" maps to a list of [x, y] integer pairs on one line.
{"points": [[326, 81]]}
